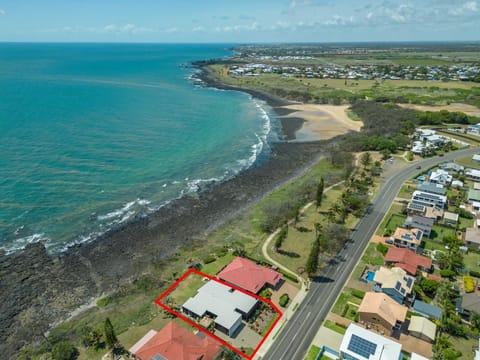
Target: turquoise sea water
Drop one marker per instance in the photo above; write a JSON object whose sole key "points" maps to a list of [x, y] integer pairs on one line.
{"points": [[92, 135]]}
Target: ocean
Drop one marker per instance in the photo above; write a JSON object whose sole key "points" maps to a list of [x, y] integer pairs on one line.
{"points": [[93, 135]]}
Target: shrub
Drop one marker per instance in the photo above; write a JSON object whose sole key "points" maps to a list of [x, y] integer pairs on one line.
{"points": [[475, 273], [447, 273], [469, 284], [345, 310], [266, 294], [103, 301], [64, 351], [358, 293], [209, 259], [382, 248], [284, 299]]}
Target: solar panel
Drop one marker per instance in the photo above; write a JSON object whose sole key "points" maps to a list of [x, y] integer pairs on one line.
{"points": [[361, 346], [418, 207]]}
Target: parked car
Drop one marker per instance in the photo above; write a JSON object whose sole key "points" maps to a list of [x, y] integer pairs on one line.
{"points": [[418, 167]]}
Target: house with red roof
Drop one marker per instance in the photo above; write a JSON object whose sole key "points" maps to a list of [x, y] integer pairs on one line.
{"points": [[408, 260], [174, 342], [249, 276]]}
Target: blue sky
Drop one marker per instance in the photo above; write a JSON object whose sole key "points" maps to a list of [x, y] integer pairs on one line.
{"points": [[238, 21]]}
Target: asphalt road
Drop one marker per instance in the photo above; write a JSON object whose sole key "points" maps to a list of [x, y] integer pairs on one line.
{"points": [[297, 335]]}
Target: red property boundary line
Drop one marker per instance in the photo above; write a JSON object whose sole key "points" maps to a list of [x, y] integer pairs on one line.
{"points": [[158, 301]]}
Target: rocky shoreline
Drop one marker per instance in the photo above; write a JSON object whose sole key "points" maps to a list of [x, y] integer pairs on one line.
{"points": [[38, 289]]}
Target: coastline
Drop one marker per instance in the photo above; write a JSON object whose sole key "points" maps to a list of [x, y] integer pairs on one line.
{"points": [[39, 289]]}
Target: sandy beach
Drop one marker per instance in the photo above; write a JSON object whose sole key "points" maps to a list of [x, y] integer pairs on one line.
{"points": [[465, 108], [322, 122]]}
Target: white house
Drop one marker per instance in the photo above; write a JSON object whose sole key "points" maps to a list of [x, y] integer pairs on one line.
{"points": [[473, 174], [361, 344], [440, 177], [427, 199]]}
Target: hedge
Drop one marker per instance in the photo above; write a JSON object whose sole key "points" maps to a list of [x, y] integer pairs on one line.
{"points": [[209, 259], [474, 273], [358, 293]]}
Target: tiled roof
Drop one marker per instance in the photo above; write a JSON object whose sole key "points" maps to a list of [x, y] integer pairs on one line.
{"points": [[174, 342], [384, 307], [248, 275], [408, 259]]}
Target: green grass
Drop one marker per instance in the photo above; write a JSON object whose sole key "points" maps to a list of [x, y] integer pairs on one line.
{"points": [[372, 256], [345, 298], [432, 245], [332, 326], [465, 346], [186, 289], [439, 232], [215, 267], [472, 261], [468, 162], [392, 219], [406, 191], [312, 353]]}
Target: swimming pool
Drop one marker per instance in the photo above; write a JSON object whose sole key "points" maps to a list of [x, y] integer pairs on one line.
{"points": [[370, 275]]}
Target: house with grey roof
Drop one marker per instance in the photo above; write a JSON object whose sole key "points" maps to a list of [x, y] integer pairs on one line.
{"points": [[225, 305], [432, 188], [420, 222], [452, 166]]}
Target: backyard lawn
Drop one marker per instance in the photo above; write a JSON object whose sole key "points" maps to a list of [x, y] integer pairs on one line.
{"points": [[472, 261], [372, 256], [332, 326]]}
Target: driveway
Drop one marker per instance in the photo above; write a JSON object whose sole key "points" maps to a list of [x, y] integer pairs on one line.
{"points": [[286, 288], [246, 338]]}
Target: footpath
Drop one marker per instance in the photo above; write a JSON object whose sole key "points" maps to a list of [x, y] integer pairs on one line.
{"points": [[300, 295]]}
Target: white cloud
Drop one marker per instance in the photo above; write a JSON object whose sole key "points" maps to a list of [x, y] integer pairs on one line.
{"points": [[125, 29], [198, 29], [468, 7], [338, 20], [230, 28], [2, 12]]}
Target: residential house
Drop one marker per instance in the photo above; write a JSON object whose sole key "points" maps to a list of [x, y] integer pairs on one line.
{"points": [[457, 184], [422, 328], [473, 195], [476, 157], [394, 282], [361, 344], [432, 188], [427, 310], [434, 213], [476, 185], [472, 237], [407, 238], [427, 199], [450, 218], [473, 174], [175, 342], [419, 222], [408, 260], [467, 304], [440, 177], [452, 166], [381, 310], [249, 276], [224, 304]]}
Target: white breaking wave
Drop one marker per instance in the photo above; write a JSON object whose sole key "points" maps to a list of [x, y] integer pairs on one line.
{"points": [[20, 243], [124, 210]]}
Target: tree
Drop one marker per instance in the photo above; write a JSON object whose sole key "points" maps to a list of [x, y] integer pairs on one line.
{"points": [[281, 236], [64, 351], [312, 261], [366, 159], [320, 192], [110, 336], [475, 320], [429, 287]]}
